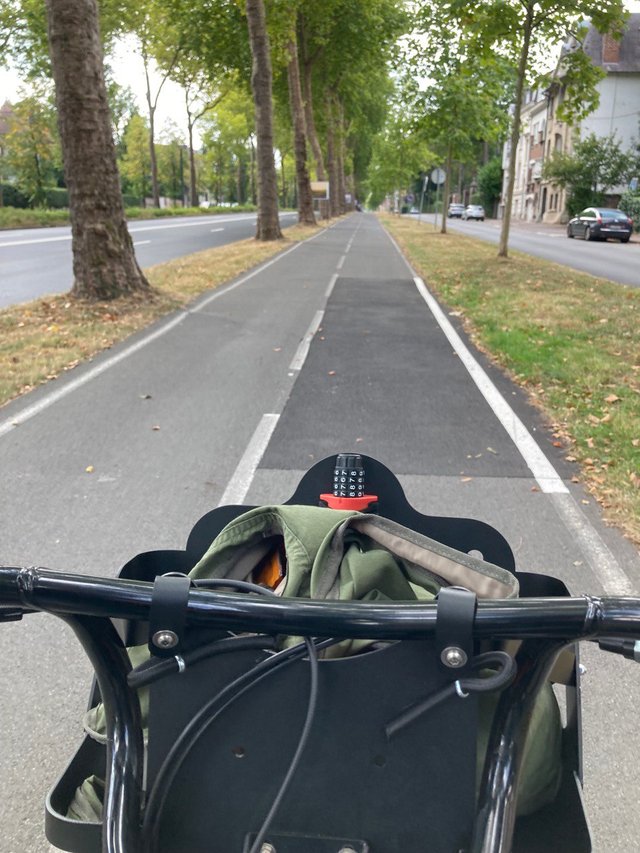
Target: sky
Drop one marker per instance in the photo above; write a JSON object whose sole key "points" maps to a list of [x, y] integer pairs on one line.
{"points": [[128, 71]]}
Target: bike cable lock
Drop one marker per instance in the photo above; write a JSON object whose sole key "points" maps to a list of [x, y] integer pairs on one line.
{"points": [[455, 650]]}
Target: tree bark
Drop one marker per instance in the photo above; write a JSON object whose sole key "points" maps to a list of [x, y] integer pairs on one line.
{"points": [[446, 190], [305, 199], [268, 226], [332, 158], [155, 191], [312, 134], [503, 248], [193, 188], [104, 263]]}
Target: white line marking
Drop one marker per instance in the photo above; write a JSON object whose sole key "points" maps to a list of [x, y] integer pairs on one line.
{"points": [[242, 477], [53, 397], [38, 240], [141, 242], [605, 566], [340, 262], [213, 230], [303, 347], [331, 285], [598, 555], [545, 474], [25, 414], [242, 280]]}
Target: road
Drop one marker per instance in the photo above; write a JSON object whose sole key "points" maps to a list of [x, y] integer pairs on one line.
{"points": [[615, 261], [37, 262], [331, 346]]}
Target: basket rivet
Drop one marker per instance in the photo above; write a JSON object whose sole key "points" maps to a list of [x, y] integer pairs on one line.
{"points": [[454, 657], [165, 639], [267, 848]]}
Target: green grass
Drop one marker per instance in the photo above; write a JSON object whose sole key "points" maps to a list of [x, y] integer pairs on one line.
{"points": [[570, 339]]}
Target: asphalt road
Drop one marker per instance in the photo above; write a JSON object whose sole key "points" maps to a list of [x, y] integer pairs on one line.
{"points": [[608, 259], [331, 346], [37, 262]]}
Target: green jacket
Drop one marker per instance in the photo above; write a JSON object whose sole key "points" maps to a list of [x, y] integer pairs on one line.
{"points": [[341, 555]]}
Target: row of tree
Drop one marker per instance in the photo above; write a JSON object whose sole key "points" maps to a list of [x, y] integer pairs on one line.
{"points": [[322, 68], [224, 166]]}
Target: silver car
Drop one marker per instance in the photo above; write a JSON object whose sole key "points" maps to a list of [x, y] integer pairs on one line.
{"points": [[474, 211]]}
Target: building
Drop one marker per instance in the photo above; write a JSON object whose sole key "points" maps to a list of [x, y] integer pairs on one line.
{"points": [[543, 132], [529, 156]]}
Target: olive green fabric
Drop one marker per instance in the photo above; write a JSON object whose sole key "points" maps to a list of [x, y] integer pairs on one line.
{"points": [[332, 554]]}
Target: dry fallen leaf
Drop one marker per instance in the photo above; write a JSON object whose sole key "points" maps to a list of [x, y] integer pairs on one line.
{"points": [[155, 427], [612, 398], [277, 349], [466, 479], [332, 373], [557, 443], [89, 469]]}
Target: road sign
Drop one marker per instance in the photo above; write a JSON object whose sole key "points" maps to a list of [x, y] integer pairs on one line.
{"points": [[409, 198], [438, 176]]}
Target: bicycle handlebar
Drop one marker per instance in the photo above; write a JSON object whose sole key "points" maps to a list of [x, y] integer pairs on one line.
{"points": [[585, 617]]}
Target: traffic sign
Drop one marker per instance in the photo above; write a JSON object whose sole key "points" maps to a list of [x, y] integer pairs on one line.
{"points": [[438, 176]]}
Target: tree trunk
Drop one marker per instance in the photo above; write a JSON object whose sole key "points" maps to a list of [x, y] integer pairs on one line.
{"points": [[332, 166], [193, 188], [503, 248], [268, 226], [342, 183], [446, 191], [104, 263], [312, 134], [305, 199]]}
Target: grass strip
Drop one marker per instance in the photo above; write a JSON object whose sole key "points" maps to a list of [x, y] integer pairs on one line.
{"points": [[570, 339], [41, 339]]}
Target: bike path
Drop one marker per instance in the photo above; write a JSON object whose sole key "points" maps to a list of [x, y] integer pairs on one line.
{"points": [[330, 347]]}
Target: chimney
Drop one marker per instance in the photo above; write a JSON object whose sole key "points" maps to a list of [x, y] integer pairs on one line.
{"points": [[610, 49]]}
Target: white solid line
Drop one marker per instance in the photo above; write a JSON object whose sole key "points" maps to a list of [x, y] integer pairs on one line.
{"points": [[604, 565], [48, 400], [331, 285], [242, 280], [242, 477], [340, 262], [303, 347], [200, 222], [53, 397], [545, 474], [213, 230], [141, 242], [38, 240]]}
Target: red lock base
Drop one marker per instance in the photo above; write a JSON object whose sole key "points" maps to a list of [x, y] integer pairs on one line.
{"points": [[357, 504]]}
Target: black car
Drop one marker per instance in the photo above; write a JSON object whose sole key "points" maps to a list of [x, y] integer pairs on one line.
{"points": [[599, 223]]}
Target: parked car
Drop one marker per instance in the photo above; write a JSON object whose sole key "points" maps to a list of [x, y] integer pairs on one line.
{"points": [[474, 211], [455, 211], [599, 223]]}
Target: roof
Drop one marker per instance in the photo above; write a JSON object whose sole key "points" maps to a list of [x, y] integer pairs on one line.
{"points": [[629, 53]]}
